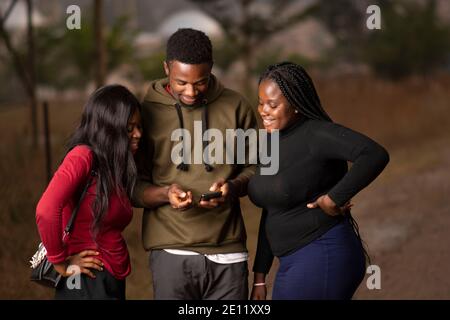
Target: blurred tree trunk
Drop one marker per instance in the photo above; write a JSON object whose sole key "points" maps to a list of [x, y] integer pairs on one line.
{"points": [[246, 46], [31, 72], [100, 46], [24, 69]]}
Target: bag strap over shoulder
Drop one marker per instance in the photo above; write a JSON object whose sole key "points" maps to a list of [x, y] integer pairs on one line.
{"points": [[69, 225]]}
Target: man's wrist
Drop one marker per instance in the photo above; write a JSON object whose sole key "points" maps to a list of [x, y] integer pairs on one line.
{"points": [[166, 190]]}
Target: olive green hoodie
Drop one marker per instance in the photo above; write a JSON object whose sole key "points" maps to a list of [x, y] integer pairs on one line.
{"points": [[208, 231]]}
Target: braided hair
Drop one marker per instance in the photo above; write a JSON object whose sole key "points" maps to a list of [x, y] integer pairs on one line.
{"points": [[298, 88]]}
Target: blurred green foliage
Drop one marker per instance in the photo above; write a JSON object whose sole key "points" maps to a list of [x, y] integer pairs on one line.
{"points": [[225, 53], [66, 57], [119, 42], [151, 66], [412, 40]]}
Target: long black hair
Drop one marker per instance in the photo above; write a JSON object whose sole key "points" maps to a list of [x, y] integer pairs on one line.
{"points": [[103, 128], [298, 88]]}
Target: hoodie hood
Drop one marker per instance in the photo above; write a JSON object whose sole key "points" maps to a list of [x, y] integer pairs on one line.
{"points": [[158, 94]]}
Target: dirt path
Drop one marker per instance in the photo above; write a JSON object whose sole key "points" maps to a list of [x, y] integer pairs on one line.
{"points": [[407, 226]]}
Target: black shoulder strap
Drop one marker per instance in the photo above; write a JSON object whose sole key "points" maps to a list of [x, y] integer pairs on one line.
{"points": [[69, 225]]}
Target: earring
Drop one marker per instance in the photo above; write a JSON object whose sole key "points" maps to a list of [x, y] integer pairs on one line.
{"points": [[296, 111]]}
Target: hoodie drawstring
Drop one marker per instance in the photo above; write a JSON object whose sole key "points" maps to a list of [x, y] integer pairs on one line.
{"points": [[182, 166], [208, 167]]}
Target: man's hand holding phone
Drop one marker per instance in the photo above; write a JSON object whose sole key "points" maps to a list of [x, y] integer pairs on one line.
{"points": [[210, 195], [213, 199]]}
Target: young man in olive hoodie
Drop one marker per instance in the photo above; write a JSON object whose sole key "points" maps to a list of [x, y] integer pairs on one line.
{"points": [[197, 248]]}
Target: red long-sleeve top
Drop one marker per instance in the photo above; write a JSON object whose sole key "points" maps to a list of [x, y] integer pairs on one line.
{"points": [[55, 208]]}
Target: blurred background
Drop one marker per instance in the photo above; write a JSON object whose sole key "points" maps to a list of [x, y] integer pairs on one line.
{"points": [[392, 84]]}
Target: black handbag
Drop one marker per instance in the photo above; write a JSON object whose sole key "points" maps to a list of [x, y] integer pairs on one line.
{"points": [[42, 271]]}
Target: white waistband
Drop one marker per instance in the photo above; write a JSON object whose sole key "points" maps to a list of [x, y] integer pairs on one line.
{"points": [[223, 258]]}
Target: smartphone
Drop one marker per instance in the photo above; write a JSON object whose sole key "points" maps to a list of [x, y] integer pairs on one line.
{"points": [[210, 195]]}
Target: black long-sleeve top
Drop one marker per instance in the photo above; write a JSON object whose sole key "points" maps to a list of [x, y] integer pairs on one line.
{"points": [[313, 159]]}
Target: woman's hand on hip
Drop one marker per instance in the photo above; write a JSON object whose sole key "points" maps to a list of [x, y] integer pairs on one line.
{"points": [[81, 262], [329, 206]]}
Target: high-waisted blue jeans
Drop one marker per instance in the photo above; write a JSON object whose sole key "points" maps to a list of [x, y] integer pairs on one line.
{"points": [[330, 267]]}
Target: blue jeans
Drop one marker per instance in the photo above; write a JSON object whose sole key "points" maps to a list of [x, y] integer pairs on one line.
{"points": [[330, 267]]}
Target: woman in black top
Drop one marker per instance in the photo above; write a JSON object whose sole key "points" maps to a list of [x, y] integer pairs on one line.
{"points": [[306, 221]]}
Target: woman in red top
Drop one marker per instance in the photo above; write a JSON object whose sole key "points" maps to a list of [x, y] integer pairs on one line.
{"points": [[105, 142]]}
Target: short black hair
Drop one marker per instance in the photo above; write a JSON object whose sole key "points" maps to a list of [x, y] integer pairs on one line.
{"points": [[189, 46]]}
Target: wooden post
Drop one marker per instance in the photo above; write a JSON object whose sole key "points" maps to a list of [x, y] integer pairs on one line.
{"points": [[48, 153], [100, 45], [31, 73]]}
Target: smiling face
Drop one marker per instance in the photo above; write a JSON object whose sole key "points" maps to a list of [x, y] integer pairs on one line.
{"points": [[134, 129], [188, 82], [274, 108]]}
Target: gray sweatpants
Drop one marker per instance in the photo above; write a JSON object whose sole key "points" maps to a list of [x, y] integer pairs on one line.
{"points": [[194, 277]]}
